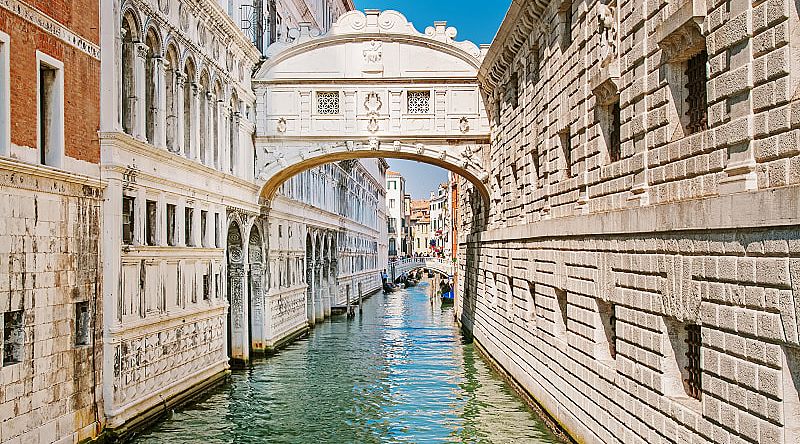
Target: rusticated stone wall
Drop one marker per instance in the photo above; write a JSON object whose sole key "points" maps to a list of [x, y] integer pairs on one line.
{"points": [[606, 247], [50, 379]]}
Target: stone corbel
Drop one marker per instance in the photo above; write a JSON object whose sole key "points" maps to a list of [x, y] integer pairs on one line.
{"points": [[605, 85], [680, 36]]}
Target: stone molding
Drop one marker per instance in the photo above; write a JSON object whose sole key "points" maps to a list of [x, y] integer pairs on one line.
{"points": [[680, 36], [371, 26], [755, 209], [20, 174]]}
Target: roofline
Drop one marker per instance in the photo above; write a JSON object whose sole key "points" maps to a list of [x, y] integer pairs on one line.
{"points": [[522, 17]]}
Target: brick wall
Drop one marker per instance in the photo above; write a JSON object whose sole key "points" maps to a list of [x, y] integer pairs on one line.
{"points": [[81, 80], [685, 228]]}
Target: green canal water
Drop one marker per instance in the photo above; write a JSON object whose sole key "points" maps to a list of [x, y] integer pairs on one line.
{"points": [[397, 373]]}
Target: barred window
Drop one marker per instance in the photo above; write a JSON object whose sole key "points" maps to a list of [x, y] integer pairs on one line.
{"points": [[693, 371], [696, 77], [419, 102], [328, 102]]}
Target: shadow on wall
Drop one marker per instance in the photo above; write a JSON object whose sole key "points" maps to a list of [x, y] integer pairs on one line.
{"points": [[477, 226]]}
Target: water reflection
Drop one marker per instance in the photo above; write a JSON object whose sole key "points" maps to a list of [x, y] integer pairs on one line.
{"points": [[398, 373]]}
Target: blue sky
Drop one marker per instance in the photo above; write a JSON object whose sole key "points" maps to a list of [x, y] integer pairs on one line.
{"points": [[477, 21]]}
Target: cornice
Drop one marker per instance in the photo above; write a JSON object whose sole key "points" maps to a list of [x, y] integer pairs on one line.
{"points": [[213, 8], [49, 173], [521, 19], [144, 149]]}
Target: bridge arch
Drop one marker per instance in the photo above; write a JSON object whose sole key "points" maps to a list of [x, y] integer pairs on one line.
{"points": [[373, 86]]}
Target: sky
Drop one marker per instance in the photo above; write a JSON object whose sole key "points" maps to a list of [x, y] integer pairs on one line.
{"points": [[475, 20]]}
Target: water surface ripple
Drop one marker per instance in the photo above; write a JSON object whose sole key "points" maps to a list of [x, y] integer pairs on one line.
{"points": [[397, 373]]}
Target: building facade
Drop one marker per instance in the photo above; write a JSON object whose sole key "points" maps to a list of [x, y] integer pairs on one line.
{"points": [[190, 261], [636, 270], [420, 222], [396, 209], [50, 194], [440, 219]]}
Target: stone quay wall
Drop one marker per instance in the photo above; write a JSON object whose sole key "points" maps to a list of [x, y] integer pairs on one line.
{"points": [[637, 268]]}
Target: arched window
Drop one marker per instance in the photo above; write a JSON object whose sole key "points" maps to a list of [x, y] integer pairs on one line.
{"points": [[203, 141], [130, 37], [172, 101], [215, 124], [188, 85], [150, 92]]}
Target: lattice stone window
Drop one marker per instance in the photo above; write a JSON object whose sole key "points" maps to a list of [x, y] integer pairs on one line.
{"points": [[419, 102], [328, 102]]}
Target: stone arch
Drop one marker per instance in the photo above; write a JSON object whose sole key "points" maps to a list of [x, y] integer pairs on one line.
{"points": [[189, 91], [203, 92], [233, 125], [309, 277], [237, 342], [131, 38], [255, 278], [153, 47], [216, 119], [318, 308], [463, 161], [172, 87]]}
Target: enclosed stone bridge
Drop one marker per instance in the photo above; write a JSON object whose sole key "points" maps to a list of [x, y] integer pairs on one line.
{"points": [[440, 265], [373, 86]]}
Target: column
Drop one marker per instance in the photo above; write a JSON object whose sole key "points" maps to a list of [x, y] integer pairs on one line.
{"points": [[194, 149], [238, 313], [220, 133], [319, 314], [224, 138], [180, 79], [139, 73], [257, 306], [235, 143], [180, 223], [209, 135], [160, 102], [197, 235]]}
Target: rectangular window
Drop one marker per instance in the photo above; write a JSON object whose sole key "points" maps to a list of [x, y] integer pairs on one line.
{"points": [[152, 223], [206, 287], [203, 228], [694, 374], [614, 133], [566, 148], [391, 203], [697, 79], [328, 102], [5, 96], [82, 323], [128, 219], [217, 243], [50, 110], [419, 102], [13, 337], [188, 227], [565, 13], [535, 61], [171, 225]]}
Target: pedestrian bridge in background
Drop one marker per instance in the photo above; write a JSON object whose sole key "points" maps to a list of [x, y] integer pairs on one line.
{"points": [[398, 267]]}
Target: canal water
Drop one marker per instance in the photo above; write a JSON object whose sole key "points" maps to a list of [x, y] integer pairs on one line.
{"points": [[397, 373]]}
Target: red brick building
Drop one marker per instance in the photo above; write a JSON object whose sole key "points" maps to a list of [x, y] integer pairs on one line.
{"points": [[50, 285]]}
